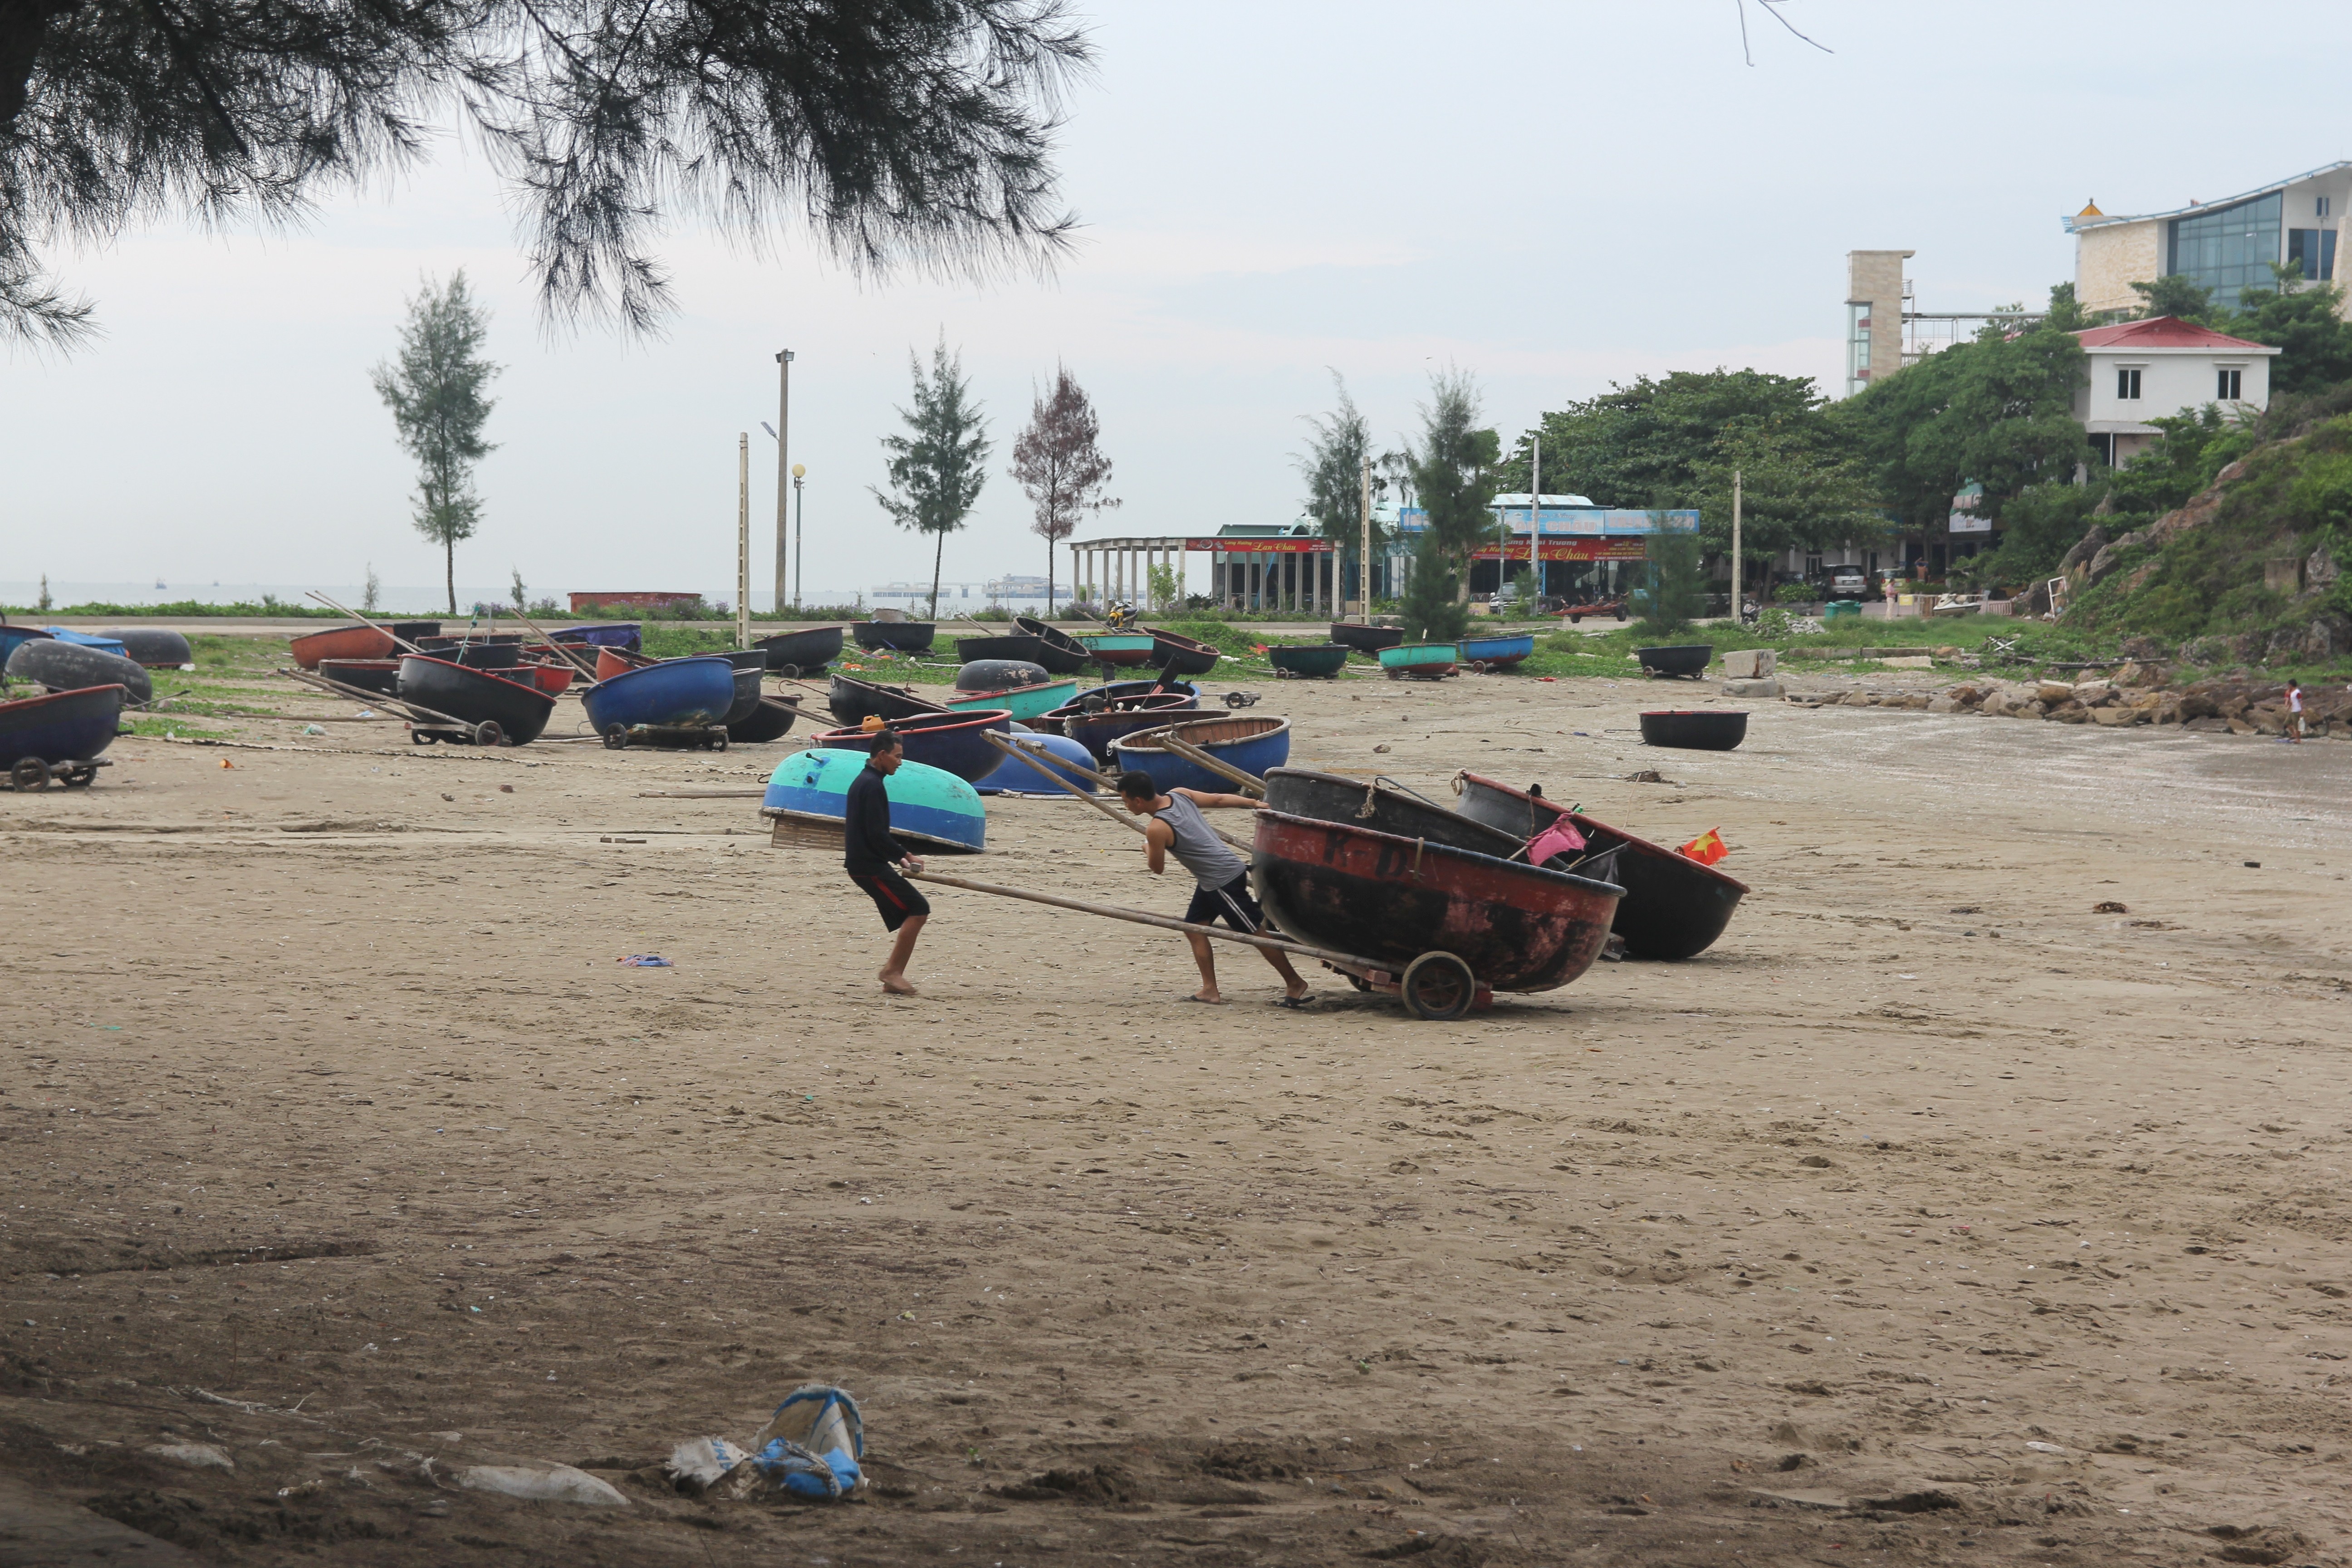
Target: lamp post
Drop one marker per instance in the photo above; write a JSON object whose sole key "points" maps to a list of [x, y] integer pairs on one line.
{"points": [[799, 537], [744, 539], [783, 429]]}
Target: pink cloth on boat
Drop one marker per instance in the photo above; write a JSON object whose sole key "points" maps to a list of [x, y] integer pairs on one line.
{"points": [[1559, 838]]}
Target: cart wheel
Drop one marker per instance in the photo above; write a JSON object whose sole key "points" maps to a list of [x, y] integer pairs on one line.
{"points": [[1621, 615], [1358, 981], [80, 778], [1575, 620], [1438, 986], [718, 741], [616, 738], [1232, 698], [30, 773], [420, 737], [488, 733]]}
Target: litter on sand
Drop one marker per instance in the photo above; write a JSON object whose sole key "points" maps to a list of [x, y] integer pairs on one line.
{"points": [[647, 961], [810, 1449]]}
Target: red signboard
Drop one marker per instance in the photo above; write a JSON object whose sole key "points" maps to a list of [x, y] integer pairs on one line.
{"points": [[1576, 550], [1293, 546]]}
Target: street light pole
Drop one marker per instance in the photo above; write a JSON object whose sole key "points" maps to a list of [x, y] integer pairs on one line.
{"points": [[1364, 561], [744, 539], [1738, 615], [783, 430], [800, 581]]}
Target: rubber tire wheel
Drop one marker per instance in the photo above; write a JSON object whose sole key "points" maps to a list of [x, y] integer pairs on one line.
{"points": [[1621, 615], [30, 773], [488, 733], [1232, 698], [420, 738], [80, 778], [616, 738], [1439, 987], [718, 741], [1575, 620]]}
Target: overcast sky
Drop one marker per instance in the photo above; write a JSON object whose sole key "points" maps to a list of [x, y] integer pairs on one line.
{"points": [[1551, 196]]}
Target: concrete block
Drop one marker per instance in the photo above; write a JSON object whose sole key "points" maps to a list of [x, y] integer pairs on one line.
{"points": [[1767, 686], [1750, 663]]}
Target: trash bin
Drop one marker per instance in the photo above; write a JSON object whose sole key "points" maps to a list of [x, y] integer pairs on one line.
{"points": [[1838, 609]]}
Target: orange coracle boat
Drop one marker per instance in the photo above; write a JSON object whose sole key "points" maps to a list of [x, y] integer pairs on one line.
{"points": [[343, 642]]}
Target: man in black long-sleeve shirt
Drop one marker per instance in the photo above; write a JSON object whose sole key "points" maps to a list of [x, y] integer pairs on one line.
{"points": [[870, 855]]}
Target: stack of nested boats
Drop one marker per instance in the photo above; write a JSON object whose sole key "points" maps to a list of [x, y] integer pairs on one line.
{"points": [[1441, 906]]}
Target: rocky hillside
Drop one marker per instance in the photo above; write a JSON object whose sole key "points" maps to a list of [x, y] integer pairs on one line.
{"points": [[2245, 572]]}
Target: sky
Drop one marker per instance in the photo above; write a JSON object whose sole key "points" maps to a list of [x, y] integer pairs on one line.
{"points": [[1553, 197]]}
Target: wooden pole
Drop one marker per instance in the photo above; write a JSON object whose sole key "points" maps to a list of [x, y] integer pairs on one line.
{"points": [[1224, 770], [1736, 616], [744, 539], [1140, 917], [1006, 744], [375, 698], [783, 462], [578, 660]]}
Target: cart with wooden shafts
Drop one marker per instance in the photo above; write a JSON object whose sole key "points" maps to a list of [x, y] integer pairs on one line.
{"points": [[1505, 926]]}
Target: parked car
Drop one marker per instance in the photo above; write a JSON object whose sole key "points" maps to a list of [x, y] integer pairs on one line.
{"points": [[1844, 583]]}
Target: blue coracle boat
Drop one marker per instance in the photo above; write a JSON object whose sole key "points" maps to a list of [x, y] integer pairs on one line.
{"points": [[10, 636], [84, 639], [1014, 774], [1253, 745], [677, 691], [627, 635], [1497, 652], [62, 727], [929, 808]]}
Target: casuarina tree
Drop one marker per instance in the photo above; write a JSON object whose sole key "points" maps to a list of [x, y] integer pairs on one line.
{"points": [[938, 467], [435, 392], [1453, 468], [905, 134], [1060, 466]]}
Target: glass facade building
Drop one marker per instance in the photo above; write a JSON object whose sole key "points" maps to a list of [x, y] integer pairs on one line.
{"points": [[2230, 249]]}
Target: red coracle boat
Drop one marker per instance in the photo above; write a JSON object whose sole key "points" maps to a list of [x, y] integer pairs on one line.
{"points": [[1454, 925], [343, 642]]}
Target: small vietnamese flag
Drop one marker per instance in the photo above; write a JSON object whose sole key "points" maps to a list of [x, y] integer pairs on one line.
{"points": [[1708, 848]]}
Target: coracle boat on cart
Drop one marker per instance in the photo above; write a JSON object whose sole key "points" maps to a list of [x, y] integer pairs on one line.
{"points": [[1248, 745], [1497, 652], [1383, 808], [1446, 927], [802, 652], [675, 693], [491, 709], [1674, 906], [1315, 661], [951, 743], [1023, 702], [57, 735]]}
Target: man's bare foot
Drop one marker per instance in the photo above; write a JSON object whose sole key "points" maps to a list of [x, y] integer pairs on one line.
{"points": [[897, 985]]}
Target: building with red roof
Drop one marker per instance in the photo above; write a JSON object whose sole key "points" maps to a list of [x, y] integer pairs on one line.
{"points": [[2141, 371]]}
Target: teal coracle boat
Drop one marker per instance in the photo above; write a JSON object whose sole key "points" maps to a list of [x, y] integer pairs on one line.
{"points": [[1022, 701], [1421, 660], [1116, 647], [1497, 652], [929, 807]]}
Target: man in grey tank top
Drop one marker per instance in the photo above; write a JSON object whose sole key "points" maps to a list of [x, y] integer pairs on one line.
{"points": [[1221, 879]]}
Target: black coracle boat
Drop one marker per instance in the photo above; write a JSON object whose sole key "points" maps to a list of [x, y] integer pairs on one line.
{"points": [[1674, 906], [802, 652], [494, 710]]}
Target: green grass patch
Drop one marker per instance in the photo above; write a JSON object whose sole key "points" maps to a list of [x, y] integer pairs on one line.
{"points": [[158, 729]]}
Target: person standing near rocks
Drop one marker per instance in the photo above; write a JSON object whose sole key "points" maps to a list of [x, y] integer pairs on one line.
{"points": [[2294, 712]]}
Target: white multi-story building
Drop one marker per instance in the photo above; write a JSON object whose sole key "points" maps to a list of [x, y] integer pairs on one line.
{"points": [[2142, 370], [2227, 246]]}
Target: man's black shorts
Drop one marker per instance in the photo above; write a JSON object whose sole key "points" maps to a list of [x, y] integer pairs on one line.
{"points": [[893, 895], [1230, 903]]}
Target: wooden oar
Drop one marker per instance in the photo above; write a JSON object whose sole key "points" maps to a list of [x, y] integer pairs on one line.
{"points": [[1141, 917], [377, 699], [1005, 743], [584, 668]]}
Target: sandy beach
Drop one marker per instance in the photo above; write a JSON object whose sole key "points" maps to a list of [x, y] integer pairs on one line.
{"points": [[1932, 1216]]}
